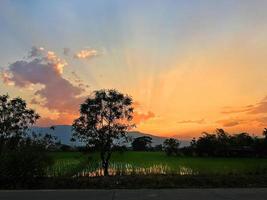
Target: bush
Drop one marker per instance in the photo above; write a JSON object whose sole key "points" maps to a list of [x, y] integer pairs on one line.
{"points": [[25, 163]]}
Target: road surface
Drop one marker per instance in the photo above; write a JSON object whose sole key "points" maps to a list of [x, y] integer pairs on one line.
{"points": [[142, 194]]}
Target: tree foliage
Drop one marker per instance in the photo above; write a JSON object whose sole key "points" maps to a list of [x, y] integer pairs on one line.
{"points": [[171, 146], [223, 144], [15, 119], [142, 143]]}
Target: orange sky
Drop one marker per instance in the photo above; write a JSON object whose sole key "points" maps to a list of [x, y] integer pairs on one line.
{"points": [[189, 67]]}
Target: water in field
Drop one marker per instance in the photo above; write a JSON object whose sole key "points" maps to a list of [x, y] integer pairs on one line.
{"points": [[116, 169]]}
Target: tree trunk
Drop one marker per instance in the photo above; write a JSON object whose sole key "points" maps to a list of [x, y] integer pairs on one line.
{"points": [[105, 167], [105, 157]]}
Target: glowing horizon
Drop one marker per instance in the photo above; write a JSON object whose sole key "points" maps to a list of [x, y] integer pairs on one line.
{"points": [[189, 66]]}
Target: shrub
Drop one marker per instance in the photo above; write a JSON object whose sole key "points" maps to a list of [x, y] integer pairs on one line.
{"points": [[25, 163]]}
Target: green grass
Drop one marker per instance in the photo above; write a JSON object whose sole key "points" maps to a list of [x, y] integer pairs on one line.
{"points": [[67, 163], [139, 163]]}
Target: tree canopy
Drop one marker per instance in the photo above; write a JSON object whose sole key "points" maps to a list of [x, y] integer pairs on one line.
{"points": [[142, 143], [171, 146], [15, 117]]}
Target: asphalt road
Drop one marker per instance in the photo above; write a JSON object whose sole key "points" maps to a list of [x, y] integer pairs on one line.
{"points": [[144, 194]]}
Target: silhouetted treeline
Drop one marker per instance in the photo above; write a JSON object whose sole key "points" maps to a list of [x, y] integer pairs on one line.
{"points": [[217, 144], [223, 144]]}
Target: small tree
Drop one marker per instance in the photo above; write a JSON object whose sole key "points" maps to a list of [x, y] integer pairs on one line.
{"points": [[22, 153], [171, 146], [264, 133], [104, 117], [142, 143], [15, 120]]}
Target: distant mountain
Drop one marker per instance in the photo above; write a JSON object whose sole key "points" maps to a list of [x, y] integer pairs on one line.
{"points": [[64, 134]]}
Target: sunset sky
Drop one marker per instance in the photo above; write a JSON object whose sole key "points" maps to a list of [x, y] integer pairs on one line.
{"points": [[190, 66]]}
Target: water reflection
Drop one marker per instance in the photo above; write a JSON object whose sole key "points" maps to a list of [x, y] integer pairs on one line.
{"points": [[119, 169]]}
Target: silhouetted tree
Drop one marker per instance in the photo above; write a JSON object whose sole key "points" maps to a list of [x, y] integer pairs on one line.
{"points": [[206, 144], [104, 117], [222, 143], [15, 120], [22, 152], [142, 143], [263, 143], [171, 146], [241, 139], [264, 133]]}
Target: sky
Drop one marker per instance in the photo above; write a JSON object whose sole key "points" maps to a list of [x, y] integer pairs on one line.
{"points": [[190, 66]]}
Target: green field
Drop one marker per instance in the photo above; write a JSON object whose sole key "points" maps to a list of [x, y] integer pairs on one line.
{"points": [[144, 163]]}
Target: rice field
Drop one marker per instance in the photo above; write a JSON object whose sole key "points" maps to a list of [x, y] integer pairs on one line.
{"points": [[144, 163], [67, 164]]}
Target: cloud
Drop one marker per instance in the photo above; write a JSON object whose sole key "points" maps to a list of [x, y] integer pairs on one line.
{"points": [[260, 107], [86, 54], [230, 110], [262, 121], [252, 115], [62, 119], [47, 57], [257, 108], [6, 77], [35, 101], [45, 68], [229, 122], [200, 121], [139, 117]]}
